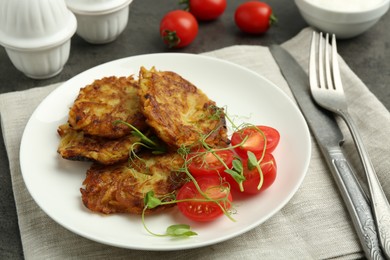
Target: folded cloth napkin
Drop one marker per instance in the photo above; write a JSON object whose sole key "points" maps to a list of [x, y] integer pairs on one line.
{"points": [[313, 225]]}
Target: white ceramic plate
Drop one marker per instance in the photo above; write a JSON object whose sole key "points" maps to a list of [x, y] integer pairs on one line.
{"points": [[54, 183]]}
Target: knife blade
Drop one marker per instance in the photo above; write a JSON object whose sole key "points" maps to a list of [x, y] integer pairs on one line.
{"points": [[329, 138]]}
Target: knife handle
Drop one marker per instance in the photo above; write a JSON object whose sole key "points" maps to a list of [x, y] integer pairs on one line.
{"points": [[356, 201], [379, 202]]}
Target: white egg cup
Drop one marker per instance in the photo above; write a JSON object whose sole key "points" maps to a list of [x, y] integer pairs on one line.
{"points": [[40, 63], [100, 22], [36, 35]]}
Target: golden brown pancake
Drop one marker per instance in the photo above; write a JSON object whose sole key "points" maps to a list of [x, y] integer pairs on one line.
{"points": [[75, 145], [180, 113], [101, 103], [121, 188]]}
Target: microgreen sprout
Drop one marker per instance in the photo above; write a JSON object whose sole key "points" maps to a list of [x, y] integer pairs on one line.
{"points": [[177, 230], [254, 163], [217, 112], [151, 143], [237, 172]]}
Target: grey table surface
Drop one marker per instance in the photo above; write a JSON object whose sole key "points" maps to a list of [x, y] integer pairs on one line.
{"points": [[368, 55]]}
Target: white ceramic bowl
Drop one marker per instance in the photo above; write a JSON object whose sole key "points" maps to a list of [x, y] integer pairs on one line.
{"points": [[36, 35], [40, 63], [100, 21], [345, 18]]}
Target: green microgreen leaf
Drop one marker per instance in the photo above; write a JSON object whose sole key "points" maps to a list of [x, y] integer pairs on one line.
{"points": [[252, 160], [237, 165], [151, 201], [183, 151], [254, 163], [237, 172], [238, 177], [216, 112], [180, 230], [152, 143], [137, 134]]}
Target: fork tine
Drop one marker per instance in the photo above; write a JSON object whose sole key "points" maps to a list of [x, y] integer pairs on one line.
{"points": [[321, 67], [335, 66], [312, 63], [328, 72]]}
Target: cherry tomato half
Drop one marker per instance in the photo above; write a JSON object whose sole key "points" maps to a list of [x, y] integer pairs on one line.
{"points": [[252, 176], [204, 211], [205, 163], [206, 10], [254, 17], [255, 141], [178, 28]]}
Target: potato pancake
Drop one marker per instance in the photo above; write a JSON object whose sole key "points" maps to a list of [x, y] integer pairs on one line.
{"points": [[106, 100], [179, 112], [75, 145], [121, 188]]}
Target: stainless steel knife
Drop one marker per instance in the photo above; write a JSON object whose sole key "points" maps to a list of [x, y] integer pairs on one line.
{"points": [[329, 138]]}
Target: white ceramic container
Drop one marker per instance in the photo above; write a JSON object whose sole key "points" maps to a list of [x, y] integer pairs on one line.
{"points": [[345, 18], [36, 35], [100, 21]]}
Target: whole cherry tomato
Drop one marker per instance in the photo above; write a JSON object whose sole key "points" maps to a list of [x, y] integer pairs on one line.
{"points": [[178, 28], [206, 10], [204, 211], [254, 17]]}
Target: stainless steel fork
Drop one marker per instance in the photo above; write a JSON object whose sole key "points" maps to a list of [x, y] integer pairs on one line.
{"points": [[327, 91]]}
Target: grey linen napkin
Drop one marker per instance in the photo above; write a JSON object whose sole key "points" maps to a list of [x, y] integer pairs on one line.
{"points": [[313, 225]]}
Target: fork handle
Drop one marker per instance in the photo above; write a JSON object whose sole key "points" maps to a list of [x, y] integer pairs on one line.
{"points": [[380, 204], [356, 201]]}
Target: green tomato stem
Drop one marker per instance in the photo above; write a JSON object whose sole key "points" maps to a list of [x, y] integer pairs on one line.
{"points": [[273, 19]]}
